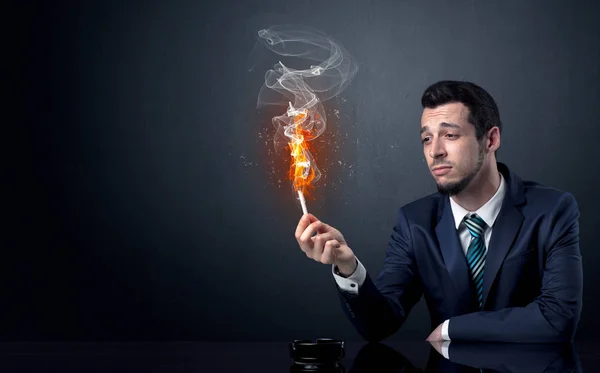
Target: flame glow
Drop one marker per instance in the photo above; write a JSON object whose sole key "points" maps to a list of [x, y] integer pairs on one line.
{"points": [[302, 171]]}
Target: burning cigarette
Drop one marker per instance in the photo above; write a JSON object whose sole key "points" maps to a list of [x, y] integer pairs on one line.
{"points": [[302, 202]]}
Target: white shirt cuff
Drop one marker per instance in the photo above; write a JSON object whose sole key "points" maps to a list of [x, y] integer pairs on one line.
{"points": [[352, 283], [446, 349], [445, 330]]}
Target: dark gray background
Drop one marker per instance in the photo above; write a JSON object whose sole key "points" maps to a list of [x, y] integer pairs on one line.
{"points": [[144, 199]]}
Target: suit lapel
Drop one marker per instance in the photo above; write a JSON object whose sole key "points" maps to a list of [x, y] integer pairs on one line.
{"points": [[504, 233], [454, 257]]}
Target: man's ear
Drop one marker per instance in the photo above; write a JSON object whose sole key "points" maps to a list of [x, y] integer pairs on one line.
{"points": [[493, 139]]}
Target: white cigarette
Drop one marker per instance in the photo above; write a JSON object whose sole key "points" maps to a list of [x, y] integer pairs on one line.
{"points": [[302, 202]]}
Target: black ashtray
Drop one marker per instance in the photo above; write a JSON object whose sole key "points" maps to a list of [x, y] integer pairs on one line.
{"points": [[322, 354]]}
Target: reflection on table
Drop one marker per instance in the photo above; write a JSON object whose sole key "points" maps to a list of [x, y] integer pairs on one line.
{"points": [[473, 357]]}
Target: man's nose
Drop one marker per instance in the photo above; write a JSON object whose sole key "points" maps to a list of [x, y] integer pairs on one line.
{"points": [[436, 149]]}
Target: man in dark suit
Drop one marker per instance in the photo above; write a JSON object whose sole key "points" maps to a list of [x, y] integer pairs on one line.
{"points": [[496, 258]]}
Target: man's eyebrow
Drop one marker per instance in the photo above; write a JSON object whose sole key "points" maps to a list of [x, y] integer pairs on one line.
{"points": [[443, 124], [450, 125]]}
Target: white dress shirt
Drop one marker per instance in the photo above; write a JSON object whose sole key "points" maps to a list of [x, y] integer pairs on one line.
{"points": [[488, 212]]}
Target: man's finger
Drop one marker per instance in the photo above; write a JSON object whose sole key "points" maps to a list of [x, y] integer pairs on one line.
{"points": [[310, 230], [305, 220], [328, 256], [319, 244]]}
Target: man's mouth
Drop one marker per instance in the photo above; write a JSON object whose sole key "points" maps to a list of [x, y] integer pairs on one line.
{"points": [[441, 170]]}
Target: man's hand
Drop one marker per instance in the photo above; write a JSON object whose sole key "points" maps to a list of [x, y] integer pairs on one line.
{"points": [[324, 244], [436, 335]]}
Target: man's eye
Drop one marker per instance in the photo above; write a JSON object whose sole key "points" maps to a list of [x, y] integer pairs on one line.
{"points": [[451, 135], [424, 139]]}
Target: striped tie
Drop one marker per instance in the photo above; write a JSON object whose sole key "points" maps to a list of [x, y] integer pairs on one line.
{"points": [[476, 253]]}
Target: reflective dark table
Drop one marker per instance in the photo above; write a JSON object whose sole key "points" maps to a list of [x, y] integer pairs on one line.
{"points": [[405, 356]]}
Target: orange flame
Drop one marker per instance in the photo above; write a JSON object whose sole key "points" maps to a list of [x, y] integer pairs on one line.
{"points": [[301, 173]]}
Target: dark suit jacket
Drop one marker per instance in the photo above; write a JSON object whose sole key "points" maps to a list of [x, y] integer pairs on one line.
{"points": [[533, 276]]}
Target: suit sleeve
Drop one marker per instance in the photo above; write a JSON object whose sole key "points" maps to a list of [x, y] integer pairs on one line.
{"points": [[381, 307], [554, 314]]}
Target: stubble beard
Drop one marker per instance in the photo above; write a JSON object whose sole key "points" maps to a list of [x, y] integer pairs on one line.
{"points": [[456, 187]]}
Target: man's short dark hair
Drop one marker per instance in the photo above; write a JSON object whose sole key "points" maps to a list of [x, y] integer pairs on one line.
{"points": [[483, 112]]}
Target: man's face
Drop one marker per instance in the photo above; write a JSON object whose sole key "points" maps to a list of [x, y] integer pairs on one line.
{"points": [[449, 141]]}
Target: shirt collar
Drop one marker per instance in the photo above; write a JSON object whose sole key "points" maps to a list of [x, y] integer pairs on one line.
{"points": [[488, 212]]}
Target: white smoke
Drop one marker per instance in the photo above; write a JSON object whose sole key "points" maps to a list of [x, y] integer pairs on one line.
{"points": [[330, 70]]}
